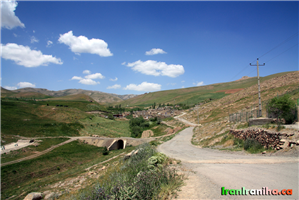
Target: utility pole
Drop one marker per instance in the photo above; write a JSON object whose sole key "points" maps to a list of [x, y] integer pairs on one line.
{"points": [[258, 82], [198, 113]]}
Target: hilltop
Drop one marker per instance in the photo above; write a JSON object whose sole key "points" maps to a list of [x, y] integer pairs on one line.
{"points": [[40, 93]]}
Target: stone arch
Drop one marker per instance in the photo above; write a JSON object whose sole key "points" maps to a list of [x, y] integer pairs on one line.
{"points": [[117, 144]]}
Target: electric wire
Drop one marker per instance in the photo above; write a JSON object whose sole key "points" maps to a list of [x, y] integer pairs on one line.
{"points": [[282, 52], [270, 51], [279, 44]]}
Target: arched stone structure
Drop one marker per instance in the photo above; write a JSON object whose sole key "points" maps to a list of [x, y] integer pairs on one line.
{"points": [[117, 144]]}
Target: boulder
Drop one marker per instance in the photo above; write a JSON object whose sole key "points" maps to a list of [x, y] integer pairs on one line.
{"points": [[34, 196]]}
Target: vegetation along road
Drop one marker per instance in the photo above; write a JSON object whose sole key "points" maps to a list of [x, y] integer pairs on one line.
{"points": [[213, 169]]}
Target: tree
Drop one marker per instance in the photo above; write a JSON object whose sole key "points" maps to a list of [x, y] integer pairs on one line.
{"points": [[282, 107], [110, 116]]}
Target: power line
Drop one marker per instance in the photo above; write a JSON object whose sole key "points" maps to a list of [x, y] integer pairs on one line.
{"points": [[283, 52], [279, 44], [242, 70], [270, 51]]}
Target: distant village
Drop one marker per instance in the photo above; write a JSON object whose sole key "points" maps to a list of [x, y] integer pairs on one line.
{"points": [[160, 112]]}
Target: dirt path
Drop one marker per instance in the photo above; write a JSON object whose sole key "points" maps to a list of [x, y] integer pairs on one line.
{"points": [[70, 140], [38, 154], [185, 121], [209, 170]]}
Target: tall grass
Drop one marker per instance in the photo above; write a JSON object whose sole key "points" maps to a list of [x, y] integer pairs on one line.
{"points": [[27, 119], [143, 176]]}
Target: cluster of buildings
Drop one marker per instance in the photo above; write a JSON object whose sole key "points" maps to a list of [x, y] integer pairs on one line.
{"points": [[161, 112]]}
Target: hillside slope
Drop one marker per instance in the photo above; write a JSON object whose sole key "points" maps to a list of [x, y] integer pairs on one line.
{"points": [[198, 94], [97, 96], [213, 116]]}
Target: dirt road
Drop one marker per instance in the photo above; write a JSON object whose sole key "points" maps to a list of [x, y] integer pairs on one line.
{"points": [[185, 121], [209, 170]]}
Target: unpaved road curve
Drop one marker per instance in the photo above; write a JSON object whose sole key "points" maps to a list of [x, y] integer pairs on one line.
{"points": [[214, 169]]}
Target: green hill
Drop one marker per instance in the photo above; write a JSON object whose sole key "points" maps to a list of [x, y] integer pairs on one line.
{"points": [[194, 95]]}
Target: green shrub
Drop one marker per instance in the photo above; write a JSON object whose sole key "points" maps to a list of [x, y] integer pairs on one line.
{"points": [[136, 132], [131, 179], [282, 107], [238, 142], [252, 146], [110, 116], [154, 143], [105, 151]]}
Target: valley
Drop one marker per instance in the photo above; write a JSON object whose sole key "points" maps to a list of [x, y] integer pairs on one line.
{"points": [[188, 125]]}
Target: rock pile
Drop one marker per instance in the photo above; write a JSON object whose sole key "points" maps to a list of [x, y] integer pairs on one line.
{"points": [[267, 139]]}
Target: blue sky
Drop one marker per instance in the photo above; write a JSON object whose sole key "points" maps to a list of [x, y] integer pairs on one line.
{"points": [[138, 47]]}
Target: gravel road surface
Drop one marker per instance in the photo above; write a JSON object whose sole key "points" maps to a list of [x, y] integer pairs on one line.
{"points": [[209, 170]]}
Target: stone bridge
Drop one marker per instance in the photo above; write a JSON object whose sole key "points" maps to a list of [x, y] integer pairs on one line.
{"points": [[114, 143]]}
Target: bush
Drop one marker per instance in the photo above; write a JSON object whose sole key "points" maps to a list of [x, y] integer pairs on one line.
{"points": [[110, 116], [136, 125], [131, 179], [136, 132], [105, 151], [282, 107], [252, 145], [238, 142]]}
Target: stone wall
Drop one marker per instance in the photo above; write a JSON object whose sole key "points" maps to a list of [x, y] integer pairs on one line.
{"points": [[267, 139], [259, 121]]}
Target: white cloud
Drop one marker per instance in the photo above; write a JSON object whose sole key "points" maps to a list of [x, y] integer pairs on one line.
{"points": [[49, 43], [34, 39], [8, 18], [171, 84], [113, 79], [33, 31], [88, 81], [183, 81], [95, 76], [25, 84], [144, 86], [198, 83], [116, 86], [82, 44], [76, 78], [86, 72], [124, 63], [10, 87], [183, 86], [15, 35], [23, 55], [152, 67], [155, 51]]}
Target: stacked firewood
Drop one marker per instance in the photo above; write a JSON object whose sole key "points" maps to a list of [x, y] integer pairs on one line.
{"points": [[267, 139]]}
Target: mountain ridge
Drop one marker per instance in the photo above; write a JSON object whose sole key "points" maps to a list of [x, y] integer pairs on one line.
{"points": [[98, 96]]}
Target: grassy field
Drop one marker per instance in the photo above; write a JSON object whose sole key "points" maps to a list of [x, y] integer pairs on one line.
{"points": [[63, 162], [159, 130], [193, 95], [105, 127], [27, 151], [36, 119]]}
